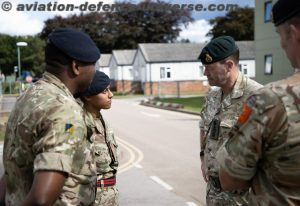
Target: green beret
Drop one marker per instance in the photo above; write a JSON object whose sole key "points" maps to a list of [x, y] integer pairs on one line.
{"points": [[283, 10], [218, 49]]}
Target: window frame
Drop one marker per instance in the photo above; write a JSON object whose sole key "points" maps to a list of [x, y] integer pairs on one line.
{"points": [[268, 18], [271, 63]]}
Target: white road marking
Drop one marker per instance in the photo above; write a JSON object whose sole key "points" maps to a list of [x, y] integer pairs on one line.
{"points": [[136, 155], [191, 204], [151, 115], [138, 166], [162, 183]]}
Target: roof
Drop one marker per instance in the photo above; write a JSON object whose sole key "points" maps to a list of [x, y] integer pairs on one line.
{"points": [[104, 60], [164, 52], [124, 57], [247, 50], [185, 52]]}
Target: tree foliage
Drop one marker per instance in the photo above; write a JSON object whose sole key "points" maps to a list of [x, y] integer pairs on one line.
{"points": [[32, 56], [124, 30], [110, 30], [238, 23]]}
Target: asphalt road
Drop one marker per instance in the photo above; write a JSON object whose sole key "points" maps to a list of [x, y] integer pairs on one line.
{"points": [[169, 142], [159, 153]]}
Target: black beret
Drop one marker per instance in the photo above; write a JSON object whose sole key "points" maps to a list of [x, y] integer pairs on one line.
{"points": [[98, 84], [75, 44], [284, 10], [218, 49]]}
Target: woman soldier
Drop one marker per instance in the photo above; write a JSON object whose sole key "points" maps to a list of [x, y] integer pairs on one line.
{"points": [[98, 96]]}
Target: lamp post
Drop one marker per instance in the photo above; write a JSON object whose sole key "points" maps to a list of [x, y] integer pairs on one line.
{"points": [[20, 44]]}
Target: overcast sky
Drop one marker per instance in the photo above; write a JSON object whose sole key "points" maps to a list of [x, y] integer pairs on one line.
{"points": [[29, 23]]}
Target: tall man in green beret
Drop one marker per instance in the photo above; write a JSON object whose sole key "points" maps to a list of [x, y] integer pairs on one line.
{"points": [[263, 150], [221, 111], [48, 150]]}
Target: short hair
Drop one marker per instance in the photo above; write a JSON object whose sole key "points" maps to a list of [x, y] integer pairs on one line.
{"points": [[234, 57], [295, 20]]}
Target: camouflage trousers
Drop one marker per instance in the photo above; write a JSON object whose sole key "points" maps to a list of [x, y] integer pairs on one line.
{"points": [[215, 196], [107, 196]]}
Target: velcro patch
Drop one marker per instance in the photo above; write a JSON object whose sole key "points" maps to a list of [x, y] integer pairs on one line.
{"points": [[245, 114], [252, 100], [69, 128]]}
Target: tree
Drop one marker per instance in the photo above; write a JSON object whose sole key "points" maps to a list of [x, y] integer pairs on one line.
{"points": [[32, 56], [238, 23], [124, 30]]}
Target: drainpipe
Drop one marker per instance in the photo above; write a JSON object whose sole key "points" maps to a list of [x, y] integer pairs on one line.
{"points": [[150, 77], [123, 86]]}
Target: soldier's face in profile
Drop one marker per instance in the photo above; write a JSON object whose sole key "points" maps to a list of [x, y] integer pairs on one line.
{"points": [[216, 74], [287, 42], [102, 100]]}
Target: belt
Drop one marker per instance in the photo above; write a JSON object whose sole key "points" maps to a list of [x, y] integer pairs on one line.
{"points": [[107, 182]]}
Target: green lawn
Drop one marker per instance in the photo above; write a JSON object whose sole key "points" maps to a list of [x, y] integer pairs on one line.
{"points": [[193, 104]]}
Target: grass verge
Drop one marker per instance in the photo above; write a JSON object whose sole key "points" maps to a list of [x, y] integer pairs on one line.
{"points": [[192, 104]]}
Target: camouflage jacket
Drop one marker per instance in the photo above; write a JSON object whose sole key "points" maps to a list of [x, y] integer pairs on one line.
{"points": [[47, 131], [105, 149], [218, 117], [264, 146], [106, 160]]}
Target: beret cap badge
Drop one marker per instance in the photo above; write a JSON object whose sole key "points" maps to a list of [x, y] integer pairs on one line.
{"points": [[208, 58]]}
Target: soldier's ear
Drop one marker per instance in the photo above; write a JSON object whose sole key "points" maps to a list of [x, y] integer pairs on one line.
{"points": [[229, 64], [75, 68], [295, 31]]}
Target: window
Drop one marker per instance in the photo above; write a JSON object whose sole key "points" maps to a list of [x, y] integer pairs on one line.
{"points": [[130, 73], [165, 73], [268, 11], [201, 71], [162, 72], [243, 68], [168, 73], [268, 64]]}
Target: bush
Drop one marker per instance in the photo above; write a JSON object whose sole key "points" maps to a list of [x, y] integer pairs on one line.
{"points": [[11, 87]]}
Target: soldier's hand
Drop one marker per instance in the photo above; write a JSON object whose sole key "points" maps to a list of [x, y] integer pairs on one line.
{"points": [[203, 169]]}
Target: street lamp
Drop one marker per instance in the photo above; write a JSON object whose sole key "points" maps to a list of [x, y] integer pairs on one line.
{"points": [[20, 44]]}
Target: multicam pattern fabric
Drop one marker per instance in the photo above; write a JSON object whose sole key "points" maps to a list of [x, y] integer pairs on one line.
{"points": [[266, 148], [216, 120], [106, 162], [46, 131]]}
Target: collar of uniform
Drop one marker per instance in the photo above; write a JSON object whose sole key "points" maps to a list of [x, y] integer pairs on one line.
{"points": [[237, 91], [54, 80], [99, 125], [238, 88], [89, 119]]}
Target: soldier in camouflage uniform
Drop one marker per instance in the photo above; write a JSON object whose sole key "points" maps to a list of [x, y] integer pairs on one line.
{"points": [[263, 150], [221, 110], [98, 96], [48, 150]]}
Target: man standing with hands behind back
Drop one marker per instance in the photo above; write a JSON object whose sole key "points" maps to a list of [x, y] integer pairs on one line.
{"points": [[221, 110]]}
